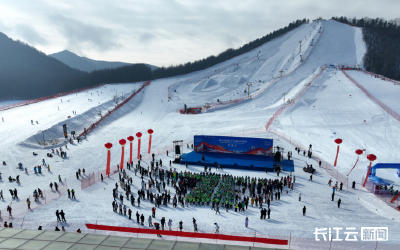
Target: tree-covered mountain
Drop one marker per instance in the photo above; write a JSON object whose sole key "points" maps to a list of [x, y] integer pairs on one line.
{"points": [[382, 39], [26, 73], [87, 64]]}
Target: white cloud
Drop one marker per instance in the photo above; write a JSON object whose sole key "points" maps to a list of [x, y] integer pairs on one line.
{"points": [[164, 32], [30, 35]]}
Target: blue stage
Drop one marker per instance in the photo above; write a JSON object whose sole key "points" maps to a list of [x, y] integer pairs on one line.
{"points": [[236, 161]]}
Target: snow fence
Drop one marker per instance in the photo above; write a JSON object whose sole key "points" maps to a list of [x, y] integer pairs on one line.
{"points": [[94, 125], [383, 106]]}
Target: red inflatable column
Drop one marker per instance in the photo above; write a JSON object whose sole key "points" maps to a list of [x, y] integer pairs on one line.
{"points": [[130, 139], [108, 146], [122, 142], [371, 158], [359, 152], [138, 135], [150, 131], [338, 141]]}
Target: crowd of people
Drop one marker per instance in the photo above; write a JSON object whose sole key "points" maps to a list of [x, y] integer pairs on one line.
{"points": [[194, 189]]}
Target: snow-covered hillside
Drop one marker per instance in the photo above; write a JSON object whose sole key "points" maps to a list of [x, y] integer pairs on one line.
{"points": [[325, 108]]}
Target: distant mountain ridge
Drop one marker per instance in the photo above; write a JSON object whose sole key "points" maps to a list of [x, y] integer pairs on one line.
{"points": [[86, 64], [26, 73]]}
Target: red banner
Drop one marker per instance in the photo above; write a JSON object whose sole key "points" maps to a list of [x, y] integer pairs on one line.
{"points": [[138, 151], [149, 144], [369, 170], [188, 234], [336, 156], [122, 158], [395, 198], [108, 162], [354, 166], [130, 154]]}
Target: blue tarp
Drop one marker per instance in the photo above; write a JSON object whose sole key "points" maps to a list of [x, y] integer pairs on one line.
{"points": [[377, 181]]}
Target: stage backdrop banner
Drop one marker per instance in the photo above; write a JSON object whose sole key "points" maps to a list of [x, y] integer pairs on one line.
{"points": [[233, 145]]}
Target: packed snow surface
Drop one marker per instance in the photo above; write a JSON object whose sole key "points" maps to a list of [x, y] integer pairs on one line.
{"points": [[326, 111]]}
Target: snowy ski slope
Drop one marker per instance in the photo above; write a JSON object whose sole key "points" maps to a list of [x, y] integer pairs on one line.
{"points": [[325, 108]]}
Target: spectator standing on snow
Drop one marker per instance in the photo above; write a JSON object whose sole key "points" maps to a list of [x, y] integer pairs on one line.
{"points": [[162, 223], [63, 216], [157, 225], [217, 210], [142, 219], [181, 225], [216, 228], [58, 215], [338, 203], [246, 222], [169, 224], [304, 210]]}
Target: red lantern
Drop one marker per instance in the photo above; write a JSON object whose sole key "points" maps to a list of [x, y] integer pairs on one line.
{"points": [[338, 141], [150, 131], [108, 146], [130, 139], [359, 152], [122, 142], [138, 135], [371, 158]]}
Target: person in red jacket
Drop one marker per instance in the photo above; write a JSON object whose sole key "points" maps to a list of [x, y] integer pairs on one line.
{"points": [[153, 210]]}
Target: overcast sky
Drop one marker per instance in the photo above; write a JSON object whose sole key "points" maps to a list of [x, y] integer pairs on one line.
{"points": [[165, 32]]}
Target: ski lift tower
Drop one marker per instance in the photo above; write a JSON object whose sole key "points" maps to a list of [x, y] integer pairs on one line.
{"points": [[248, 87], [300, 46]]}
